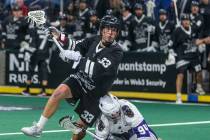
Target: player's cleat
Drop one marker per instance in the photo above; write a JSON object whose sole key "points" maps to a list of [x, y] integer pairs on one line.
{"points": [[67, 123], [33, 131], [200, 90], [26, 92], [178, 98]]}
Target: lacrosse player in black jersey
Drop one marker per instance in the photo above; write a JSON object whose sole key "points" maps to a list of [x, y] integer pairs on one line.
{"points": [[184, 43], [97, 61], [163, 32]]}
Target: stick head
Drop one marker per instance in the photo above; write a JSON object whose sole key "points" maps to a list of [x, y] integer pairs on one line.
{"points": [[36, 17]]}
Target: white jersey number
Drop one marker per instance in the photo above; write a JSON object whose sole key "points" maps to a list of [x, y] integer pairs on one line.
{"points": [[87, 116]]}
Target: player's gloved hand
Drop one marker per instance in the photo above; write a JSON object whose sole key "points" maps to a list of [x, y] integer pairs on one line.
{"points": [[202, 48], [24, 46], [150, 29], [27, 56], [171, 58], [68, 55], [53, 32], [124, 45]]}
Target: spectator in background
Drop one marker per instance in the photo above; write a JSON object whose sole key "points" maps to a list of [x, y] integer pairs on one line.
{"points": [[37, 54], [70, 9], [196, 18], [93, 25], [14, 29], [3, 12], [184, 6], [162, 4], [187, 55], [141, 30], [126, 19], [23, 7], [64, 26], [101, 7], [81, 21], [205, 12], [142, 2], [116, 6], [163, 32]]}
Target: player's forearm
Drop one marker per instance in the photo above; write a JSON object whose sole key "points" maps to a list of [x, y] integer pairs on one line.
{"points": [[203, 41]]}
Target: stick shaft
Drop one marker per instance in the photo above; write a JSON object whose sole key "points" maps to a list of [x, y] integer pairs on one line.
{"points": [[93, 135], [58, 44], [176, 12]]}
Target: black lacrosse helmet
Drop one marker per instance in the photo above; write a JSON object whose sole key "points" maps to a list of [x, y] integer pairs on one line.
{"points": [[63, 17], [185, 17], [162, 12], [126, 5], [110, 21], [195, 3], [138, 6], [92, 12]]}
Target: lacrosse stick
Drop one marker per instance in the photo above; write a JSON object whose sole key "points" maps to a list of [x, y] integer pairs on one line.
{"points": [[176, 13], [37, 18], [68, 124]]}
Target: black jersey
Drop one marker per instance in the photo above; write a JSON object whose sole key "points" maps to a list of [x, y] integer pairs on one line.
{"points": [[98, 66], [163, 35], [92, 29], [81, 24], [184, 43], [138, 32], [197, 23], [125, 26], [39, 41], [205, 12], [14, 32], [68, 28]]}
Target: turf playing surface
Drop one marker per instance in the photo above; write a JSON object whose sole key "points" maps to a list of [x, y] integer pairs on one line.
{"points": [[169, 121]]}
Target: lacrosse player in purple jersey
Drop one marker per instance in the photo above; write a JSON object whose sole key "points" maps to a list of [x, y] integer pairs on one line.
{"points": [[121, 120]]}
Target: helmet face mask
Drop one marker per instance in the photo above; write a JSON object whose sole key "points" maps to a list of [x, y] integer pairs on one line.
{"points": [[109, 29]]}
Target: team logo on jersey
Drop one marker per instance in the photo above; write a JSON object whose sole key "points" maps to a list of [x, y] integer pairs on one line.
{"points": [[105, 62], [127, 111], [101, 125]]}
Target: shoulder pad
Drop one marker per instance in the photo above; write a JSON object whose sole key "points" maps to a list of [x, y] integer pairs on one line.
{"points": [[102, 127], [127, 111]]}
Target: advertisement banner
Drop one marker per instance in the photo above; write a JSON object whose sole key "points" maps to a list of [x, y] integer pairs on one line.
{"points": [[145, 72], [142, 72], [17, 69]]}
